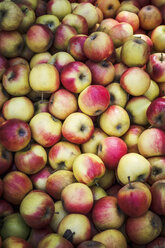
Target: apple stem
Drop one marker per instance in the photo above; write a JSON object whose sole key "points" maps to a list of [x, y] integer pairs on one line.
{"points": [[68, 234], [129, 181]]}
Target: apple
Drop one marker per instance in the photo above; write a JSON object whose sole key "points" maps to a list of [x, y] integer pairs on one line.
{"points": [[158, 242], [118, 96], [103, 72], [39, 179], [59, 214], [136, 108], [134, 199], [110, 150], [92, 144], [11, 16], [156, 145], [6, 208], [16, 80], [75, 47], [135, 52], [88, 11], [77, 198], [155, 66], [39, 58], [14, 225], [108, 8], [157, 169], [131, 6], [129, 17], [15, 134], [46, 129], [131, 137], [111, 238], [98, 46], [98, 192], [41, 106], [114, 189], [135, 86], [145, 37], [6, 159], [77, 128], [156, 113], [62, 103], [120, 33], [62, 154], [153, 91], [77, 21], [31, 159], [39, 38], [28, 18], [94, 100], [42, 211], [30, 3], [41, 8], [54, 240], [16, 242], [157, 37], [107, 180], [106, 213], [57, 181], [50, 20], [36, 235], [49, 80], [60, 59], [150, 17], [88, 168], [59, 8], [3, 65], [15, 108], [114, 121], [16, 185], [62, 36], [18, 60], [75, 76], [106, 24], [157, 191], [75, 227], [150, 222], [133, 166], [91, 243]]}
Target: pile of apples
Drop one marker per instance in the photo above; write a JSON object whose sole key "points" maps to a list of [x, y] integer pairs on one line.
{"points": [[82, 124]]}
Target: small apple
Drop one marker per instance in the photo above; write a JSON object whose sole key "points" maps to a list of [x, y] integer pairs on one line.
{"points": [[153, 91], [54, 240], [88, 168], [108, 179], [129, 17], [109, 8], [77, 21], [155, 66], [98, 192], [59, 8], [16, 185], [39, 58], [42, 211], [28, 19], [41, 106], [157, 169], [51, 21], [106, 24]]}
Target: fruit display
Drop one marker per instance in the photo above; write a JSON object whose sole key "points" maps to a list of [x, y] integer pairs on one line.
{"points": [[82, 123]]}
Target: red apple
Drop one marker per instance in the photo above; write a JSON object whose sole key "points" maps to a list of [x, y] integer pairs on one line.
{"points": [[128, 17], [155, 67], [15, 134], [157, 191]]}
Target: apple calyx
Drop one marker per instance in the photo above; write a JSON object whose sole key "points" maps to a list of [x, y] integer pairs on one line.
{"points": [[62, 165], [2, 14], [21, 132], [5, 154], [11, 76], [156, 171], [68, 234], [81, 76], [82, 128], [129, 182], [93, 37], [104, 63]]}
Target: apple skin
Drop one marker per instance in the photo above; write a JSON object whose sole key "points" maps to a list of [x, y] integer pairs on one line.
{"points": [[156, 243], [77, 198], [114, 121], [3, 65], [88, 168], [57, 181], [157, 191], [62, 155], [54, 240], [59, 9], [110, 150], [156, 113], [98, 46], [15, 242], [114, 189], [6, 159], [98, 192], [41, 106], [128, 17], [6, 208], [135, 226], [31, 159], [91, 243], [28, 18], [111, 237], [15, 134], [76, 76], [108, 179], [103, 72], [157, 169], [156, 146], [140, 170], [155, 67], [4, 96], [107, 24], [46, 129], [104, 6], [79, 228], [134, 199], [77, 128], [94, 100], [16, 185], [153, 91], [39, 179], [62, 103], [51, 21], [42, 212], [39, 58], [106, 213]]}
